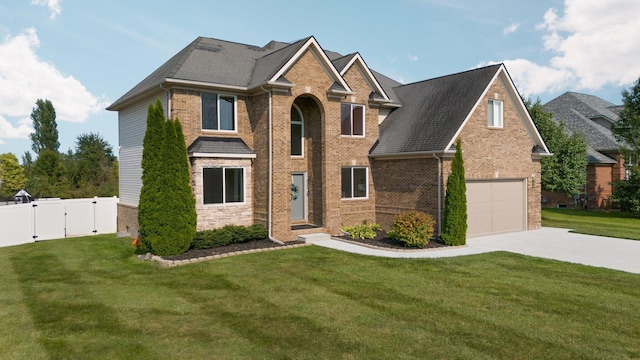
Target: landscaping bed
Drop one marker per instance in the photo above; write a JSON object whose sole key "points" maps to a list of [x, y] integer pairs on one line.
{"points": [[231, 248], [382, 241]]}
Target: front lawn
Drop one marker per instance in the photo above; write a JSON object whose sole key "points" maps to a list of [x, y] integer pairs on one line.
{"points": [[90, 298], [613, 224]]}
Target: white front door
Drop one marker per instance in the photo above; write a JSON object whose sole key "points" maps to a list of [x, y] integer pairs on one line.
{"points": [[298, 197]]}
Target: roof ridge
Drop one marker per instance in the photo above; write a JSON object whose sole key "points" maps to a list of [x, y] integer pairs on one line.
{"points": [[454, 74]]}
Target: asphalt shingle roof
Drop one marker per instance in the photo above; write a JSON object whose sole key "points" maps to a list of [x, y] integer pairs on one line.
{"points": [[577, 111], [219, 62], [432, 111], [219, 145]]}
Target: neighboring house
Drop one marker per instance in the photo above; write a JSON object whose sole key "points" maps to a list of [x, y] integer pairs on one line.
{"points": [[592, 117], [306, 140]]}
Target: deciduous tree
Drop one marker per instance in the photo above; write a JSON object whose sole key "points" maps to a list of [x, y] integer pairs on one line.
{"points": [[12, 176], [45, 134], [565, 171]]}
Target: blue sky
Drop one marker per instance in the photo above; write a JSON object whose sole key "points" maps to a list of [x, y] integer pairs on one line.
{"points": [[83, 55]]}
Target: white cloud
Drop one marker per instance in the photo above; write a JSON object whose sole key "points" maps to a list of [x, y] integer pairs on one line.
{"points": [[510, 29], [9, 131], [593, 44], [53, 5], [24, 78], [413, 58]]}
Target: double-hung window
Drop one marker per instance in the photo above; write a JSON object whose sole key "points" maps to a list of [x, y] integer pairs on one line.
{"points": [[352, 119], [494, 114], [221, 185], [218, 112], [354, 182]]}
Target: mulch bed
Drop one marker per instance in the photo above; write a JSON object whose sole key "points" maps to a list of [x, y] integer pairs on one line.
{"points": [[380, 241], [249, 245]]}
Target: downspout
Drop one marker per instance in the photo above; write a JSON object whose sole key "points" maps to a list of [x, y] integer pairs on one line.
{"points": [[168, 101], [270, 192], [439, 194]]}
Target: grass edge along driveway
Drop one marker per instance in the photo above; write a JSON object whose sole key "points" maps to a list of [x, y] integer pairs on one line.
{"points": [[87, 298], [600, 223]]}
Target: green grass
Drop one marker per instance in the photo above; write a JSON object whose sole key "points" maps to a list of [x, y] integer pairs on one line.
{"points": [[89, 298], [613, 224]]}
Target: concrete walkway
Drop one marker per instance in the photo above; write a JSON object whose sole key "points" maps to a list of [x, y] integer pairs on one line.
{"points": [[549, 243]]}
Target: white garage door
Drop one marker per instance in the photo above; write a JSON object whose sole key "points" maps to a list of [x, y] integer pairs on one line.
{"points": [[495, 206]]}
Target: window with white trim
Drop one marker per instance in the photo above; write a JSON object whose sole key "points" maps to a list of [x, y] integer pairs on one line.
{"points": [[354, 182], [494, 113], [222, 185], [218, 112], [352, 119], [297, 132]]}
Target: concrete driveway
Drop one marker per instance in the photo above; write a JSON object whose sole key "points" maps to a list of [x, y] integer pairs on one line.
{"points": [[549, 243]]}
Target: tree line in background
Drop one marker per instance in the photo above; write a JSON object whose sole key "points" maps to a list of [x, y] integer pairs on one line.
{"points": [[90, 170]]}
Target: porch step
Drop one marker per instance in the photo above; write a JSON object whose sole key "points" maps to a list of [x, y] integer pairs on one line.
{"points": [[311, 238]]}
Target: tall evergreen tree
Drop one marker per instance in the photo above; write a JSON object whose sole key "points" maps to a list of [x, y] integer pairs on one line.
{"points": [[45, 134], [149, 206], [166, 213], [454, 219]]}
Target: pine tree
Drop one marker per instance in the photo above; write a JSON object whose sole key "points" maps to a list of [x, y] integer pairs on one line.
{"points": [[149, 206], [454, 222], [166, 213]]}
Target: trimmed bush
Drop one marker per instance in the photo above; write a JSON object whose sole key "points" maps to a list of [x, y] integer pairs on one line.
{"points": [[362, 231], [229, 234], [413, 228]]}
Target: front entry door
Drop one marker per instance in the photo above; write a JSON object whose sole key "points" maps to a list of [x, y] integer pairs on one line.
{"points": [[298, 198]]}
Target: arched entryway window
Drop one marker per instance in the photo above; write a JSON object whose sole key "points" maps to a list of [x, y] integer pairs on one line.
{"points": [[297, 131]]}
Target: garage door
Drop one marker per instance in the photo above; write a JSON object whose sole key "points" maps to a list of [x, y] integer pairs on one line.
{"points": [[495, 206]]}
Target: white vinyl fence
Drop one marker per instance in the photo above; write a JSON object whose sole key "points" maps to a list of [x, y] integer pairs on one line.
{"points": [[56, 219]]}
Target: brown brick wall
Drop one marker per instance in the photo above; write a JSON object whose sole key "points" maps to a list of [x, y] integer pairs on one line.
{"points": [[403, 185], [599, 189], [186, 105], [501, 153]]}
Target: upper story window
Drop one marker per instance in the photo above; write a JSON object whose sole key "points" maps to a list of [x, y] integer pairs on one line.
{"points": [[494, 114], [354, 182], [297, 132], [221, 185], [218, 112], [352, 119]]}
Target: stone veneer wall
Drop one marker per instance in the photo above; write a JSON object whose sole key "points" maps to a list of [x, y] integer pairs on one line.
{"points": [[211, 216], [128, 219]]}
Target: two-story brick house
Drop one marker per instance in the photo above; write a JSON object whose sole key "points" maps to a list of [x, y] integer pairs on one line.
{"points": [[302, 139]]}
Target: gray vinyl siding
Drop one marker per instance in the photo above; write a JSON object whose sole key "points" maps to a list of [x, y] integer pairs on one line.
{"points": [[132, 124]]}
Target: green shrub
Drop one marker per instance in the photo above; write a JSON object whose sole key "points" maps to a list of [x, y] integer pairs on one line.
{"points": [[362, 231], [413, 228], [229, 234]]}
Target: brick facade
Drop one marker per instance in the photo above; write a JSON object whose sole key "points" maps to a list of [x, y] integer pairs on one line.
{"points": [[394, 185], [488, 153], [501, 153]]}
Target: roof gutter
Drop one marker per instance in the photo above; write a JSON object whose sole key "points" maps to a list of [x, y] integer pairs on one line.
{"points": [[415, 154]]}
